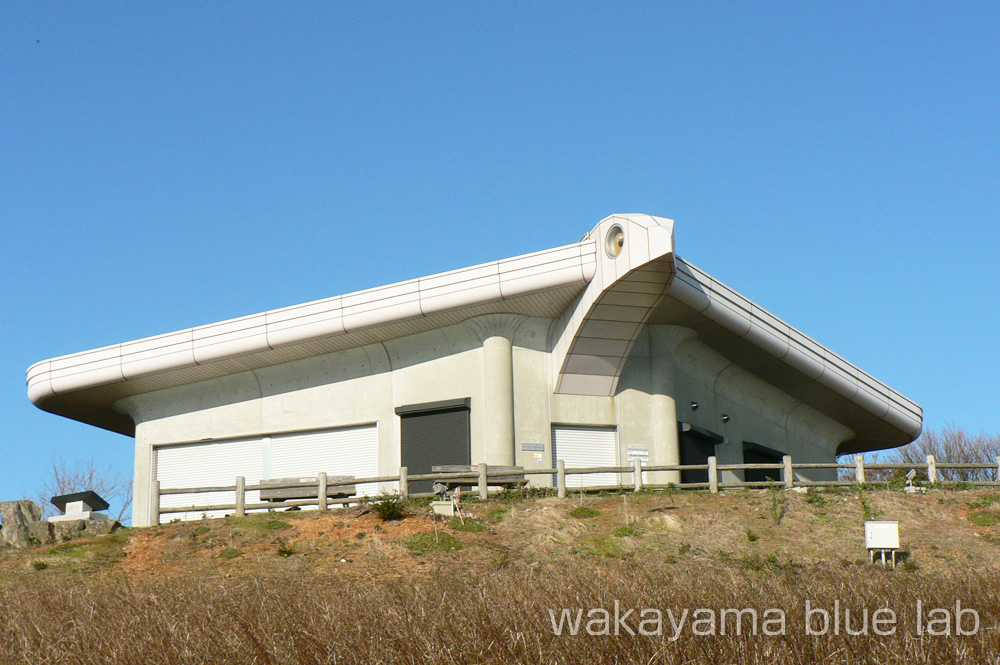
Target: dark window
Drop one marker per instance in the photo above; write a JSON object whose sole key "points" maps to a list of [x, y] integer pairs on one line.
{"points": [[433, 434]]}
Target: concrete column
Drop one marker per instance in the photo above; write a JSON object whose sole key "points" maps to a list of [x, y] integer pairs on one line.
{"points": [[662, 407], [141, 481], [498, 400]]}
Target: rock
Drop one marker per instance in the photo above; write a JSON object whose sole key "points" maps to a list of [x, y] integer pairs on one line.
{"points": [[102, 527], [16, 517], [69, 530], [15, 535], [21, 512], [41, 533]]}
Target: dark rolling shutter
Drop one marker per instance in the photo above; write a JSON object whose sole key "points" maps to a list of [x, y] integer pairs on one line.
{"points": [[697, 445], [433, 434], [754, 453]]}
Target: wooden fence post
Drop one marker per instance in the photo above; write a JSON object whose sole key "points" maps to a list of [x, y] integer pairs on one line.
{"points": [[561, 479], [637, 473], [789, 478], [713, 475], [998, 468], [859, 469], [322, 493], [241, 496], [154, 504], [483, 490], [931, 469], [404, 482]]}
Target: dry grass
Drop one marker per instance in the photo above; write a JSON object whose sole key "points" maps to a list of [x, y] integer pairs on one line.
{"points": [[353, 591]]}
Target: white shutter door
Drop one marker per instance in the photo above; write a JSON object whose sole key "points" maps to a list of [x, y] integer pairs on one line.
{"points": [[347, 451], [585, 447], [206, 465]]}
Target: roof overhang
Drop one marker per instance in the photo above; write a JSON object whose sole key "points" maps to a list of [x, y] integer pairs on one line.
{"points": [[600, 298]]}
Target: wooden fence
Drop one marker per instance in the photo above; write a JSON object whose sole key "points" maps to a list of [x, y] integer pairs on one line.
{"points": [[482, 480]]}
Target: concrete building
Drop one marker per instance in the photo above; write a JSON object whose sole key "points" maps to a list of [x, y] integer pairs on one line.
{"points": [[596, 353]]}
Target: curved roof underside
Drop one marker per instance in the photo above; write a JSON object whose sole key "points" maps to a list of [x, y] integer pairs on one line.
{"points": [[600, 302]]}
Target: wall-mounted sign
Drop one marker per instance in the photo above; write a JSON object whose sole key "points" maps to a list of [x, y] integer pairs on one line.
{"points": [[533, 447], [641, 454]]}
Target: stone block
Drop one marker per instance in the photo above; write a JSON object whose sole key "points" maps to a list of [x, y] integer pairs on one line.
{"points": [[21, 512], [40, 533], [68, 530], [102, 527]]}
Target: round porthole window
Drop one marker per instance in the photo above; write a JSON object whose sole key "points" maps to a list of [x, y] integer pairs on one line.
{"points": [[615, 241]]}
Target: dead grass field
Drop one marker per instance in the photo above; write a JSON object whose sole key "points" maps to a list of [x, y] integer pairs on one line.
{"points": [[344, 587]]}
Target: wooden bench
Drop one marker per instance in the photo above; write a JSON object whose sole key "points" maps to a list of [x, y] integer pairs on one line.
{"points": [[290, 493], [512, 476]]}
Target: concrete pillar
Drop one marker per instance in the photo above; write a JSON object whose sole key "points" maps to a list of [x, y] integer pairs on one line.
{"points": [[498, 400], [662, 407], [142, 482]]}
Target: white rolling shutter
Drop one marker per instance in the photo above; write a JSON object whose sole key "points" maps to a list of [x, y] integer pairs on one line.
{"points": [[206, 465], [586, 447], [347, 451]]}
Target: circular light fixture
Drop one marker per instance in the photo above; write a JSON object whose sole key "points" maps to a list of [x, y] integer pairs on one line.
{"points": [[725, 418], [694, 406], [614, 242]]}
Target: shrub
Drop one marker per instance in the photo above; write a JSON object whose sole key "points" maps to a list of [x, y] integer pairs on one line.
{"points": [[389, 507], [39, 565]]}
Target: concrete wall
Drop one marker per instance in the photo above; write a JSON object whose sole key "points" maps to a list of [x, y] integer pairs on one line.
{"points": [[502, 362]]}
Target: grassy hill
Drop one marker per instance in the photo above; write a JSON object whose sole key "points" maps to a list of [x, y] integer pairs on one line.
{"points": [[346, 586]]}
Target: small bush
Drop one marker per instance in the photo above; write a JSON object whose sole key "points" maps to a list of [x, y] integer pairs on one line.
{"points": [[284, 550], [584, 512], [230, 553], [39, 565], [389, 507], [431, 542]]}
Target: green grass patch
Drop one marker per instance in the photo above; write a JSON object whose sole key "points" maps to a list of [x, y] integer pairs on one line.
{"points": [[230, 553], [584, 512], [204, 528], [758, 562], [984, 518], [985, 501], [497, 514], [626, 532], [431, 542], [751, 536], [470, 524]]}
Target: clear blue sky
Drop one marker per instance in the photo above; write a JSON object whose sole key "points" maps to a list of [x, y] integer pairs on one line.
{"points": [[165, 165]]}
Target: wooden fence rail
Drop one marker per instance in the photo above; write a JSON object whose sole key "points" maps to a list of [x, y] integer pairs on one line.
{"points": [[482, 476]]}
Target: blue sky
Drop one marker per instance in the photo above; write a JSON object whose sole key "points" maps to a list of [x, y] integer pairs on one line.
{"points": [[165, 165]]}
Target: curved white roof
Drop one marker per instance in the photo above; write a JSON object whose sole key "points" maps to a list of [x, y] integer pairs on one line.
{"points": [[600, 300]]}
